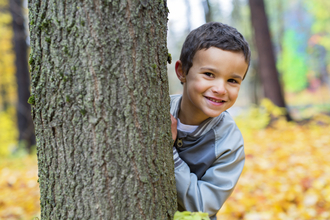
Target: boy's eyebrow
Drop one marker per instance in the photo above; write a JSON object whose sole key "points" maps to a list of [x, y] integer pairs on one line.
{"points": [[210, 69], [236, 76]]}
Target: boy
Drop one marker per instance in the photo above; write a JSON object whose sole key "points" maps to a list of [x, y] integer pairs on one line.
{"points": [[208, 150]]}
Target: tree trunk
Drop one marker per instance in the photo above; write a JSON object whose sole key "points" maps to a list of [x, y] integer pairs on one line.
{"points": [[266, 58], [24, 119], [207, 10], [101, 109]]}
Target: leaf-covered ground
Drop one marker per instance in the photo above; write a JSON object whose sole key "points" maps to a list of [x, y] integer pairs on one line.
{"points": [[19, 189], [286, 176]]}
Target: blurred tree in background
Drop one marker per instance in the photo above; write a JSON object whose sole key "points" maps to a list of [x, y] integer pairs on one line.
{"points": [[266, 57], [299, 29], [23, 109], [16, 127], [208, 11]]}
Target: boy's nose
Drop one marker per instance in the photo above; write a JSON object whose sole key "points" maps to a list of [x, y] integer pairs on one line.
{"points": [[219, 88]]}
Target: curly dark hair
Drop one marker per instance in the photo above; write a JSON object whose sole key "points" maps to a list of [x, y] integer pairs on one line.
{"points": [[213, 34]]}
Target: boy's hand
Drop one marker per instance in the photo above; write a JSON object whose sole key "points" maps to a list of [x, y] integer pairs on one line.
{"points": [[174, 127]]}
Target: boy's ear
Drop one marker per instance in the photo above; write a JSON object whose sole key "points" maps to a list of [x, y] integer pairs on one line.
{"points": [[179, 71]]}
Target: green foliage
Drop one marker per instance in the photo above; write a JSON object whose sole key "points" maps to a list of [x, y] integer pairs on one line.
{"points": [[191, 216], [31, 100], [292, 64], [169, 58], [320, 28], [31, 60], [320, 10]]}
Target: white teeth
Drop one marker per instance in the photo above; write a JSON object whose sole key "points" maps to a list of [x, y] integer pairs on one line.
{"points": [[213, 100]]}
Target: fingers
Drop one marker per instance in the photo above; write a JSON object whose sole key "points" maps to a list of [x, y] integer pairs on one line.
{"points": [[174, 127], [174, 121]]}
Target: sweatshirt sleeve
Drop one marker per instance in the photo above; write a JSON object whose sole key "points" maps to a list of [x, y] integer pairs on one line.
{"points": [[210, 192]]}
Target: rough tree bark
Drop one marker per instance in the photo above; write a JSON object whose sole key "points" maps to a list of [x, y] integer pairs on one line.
{"points": [[266, 58], [101, 109], [24, 119]]}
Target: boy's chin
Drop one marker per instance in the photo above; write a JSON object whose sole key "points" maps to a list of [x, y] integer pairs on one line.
{"points": [[214, 114]]}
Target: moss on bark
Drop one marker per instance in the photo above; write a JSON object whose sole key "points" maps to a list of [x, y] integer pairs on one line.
{"points": [[101, 109]]}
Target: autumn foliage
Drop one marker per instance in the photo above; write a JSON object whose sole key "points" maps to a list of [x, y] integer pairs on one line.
{"points": [[8, 95], [286, 173], [19, 189]]}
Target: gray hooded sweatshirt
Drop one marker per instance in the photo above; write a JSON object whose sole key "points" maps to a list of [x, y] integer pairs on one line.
{"points": [[208, 162]]}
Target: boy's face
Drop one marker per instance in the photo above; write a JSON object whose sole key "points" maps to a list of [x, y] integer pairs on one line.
{"points": [[211, 85]]}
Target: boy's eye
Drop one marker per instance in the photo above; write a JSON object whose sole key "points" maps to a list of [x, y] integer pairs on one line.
{"points": [[209, 74], [232, 81]]}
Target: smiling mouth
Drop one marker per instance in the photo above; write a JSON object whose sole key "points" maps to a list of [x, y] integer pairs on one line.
{"points": [[214, 100]]}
